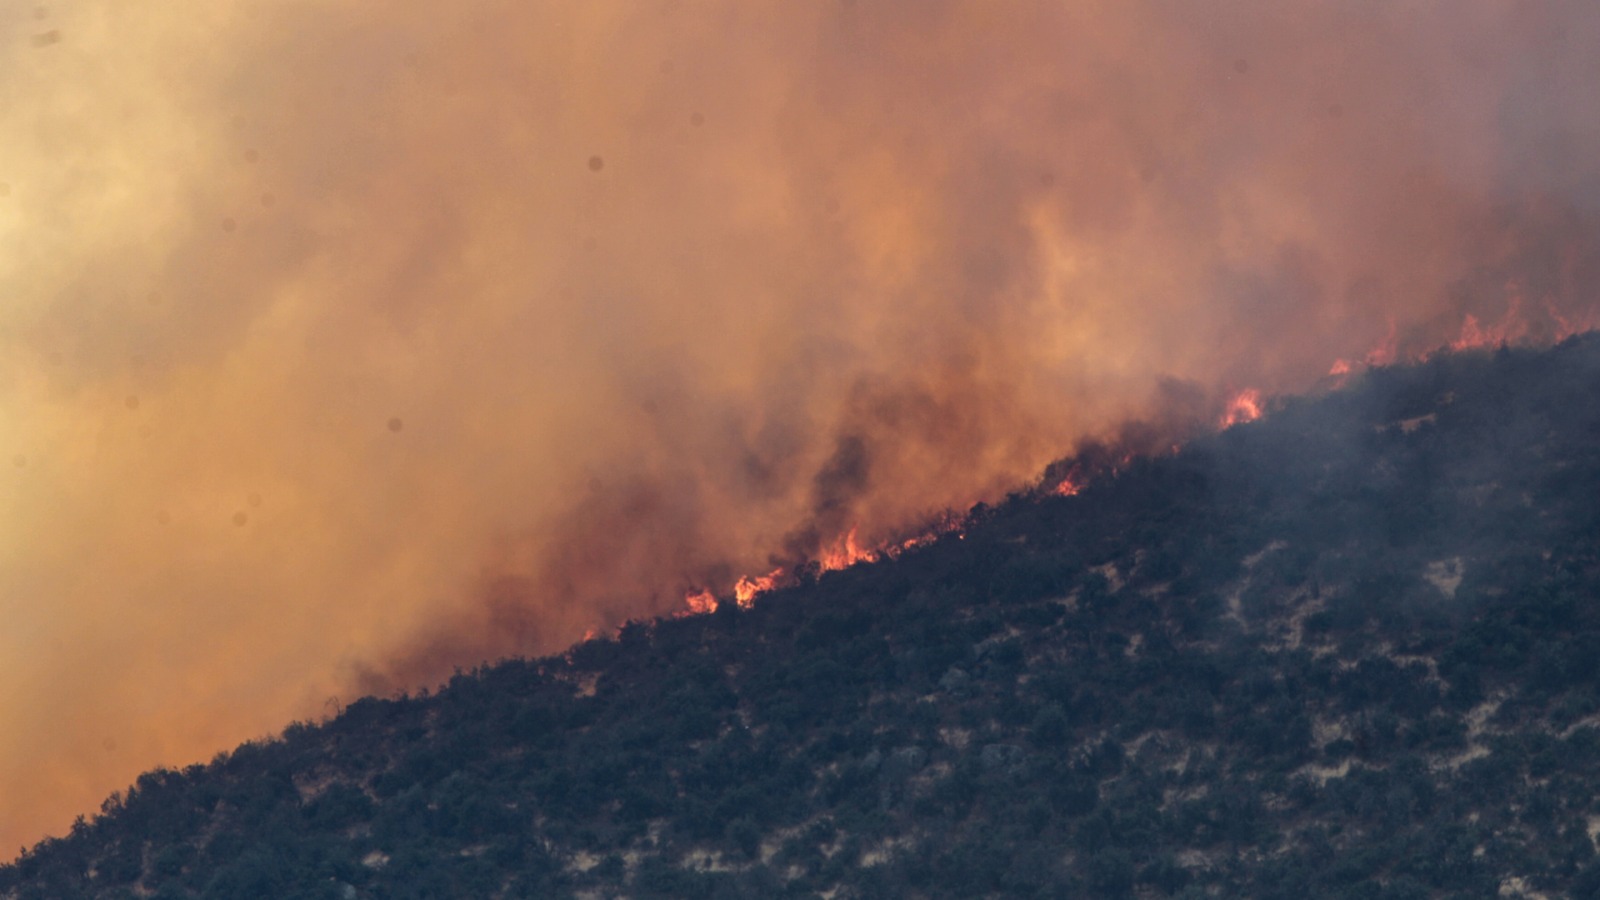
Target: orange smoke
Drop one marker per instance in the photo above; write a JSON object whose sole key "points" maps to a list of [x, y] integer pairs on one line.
{"points": [[342, 344]]}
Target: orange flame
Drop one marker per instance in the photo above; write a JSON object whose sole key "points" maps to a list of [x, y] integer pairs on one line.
{"points": [[1511, 327], [1072, 483], [1381, 355], [940, 527], [1584, 320], [1244, 407], [701, 601], [1516, 325], [845, 553], [1384, 353], [1564, 327], [746, 590], [913, 543]]}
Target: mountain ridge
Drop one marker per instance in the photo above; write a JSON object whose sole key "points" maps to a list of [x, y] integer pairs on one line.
{"points": [[1349, 649]]}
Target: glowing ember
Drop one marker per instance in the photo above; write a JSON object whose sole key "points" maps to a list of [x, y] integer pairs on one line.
{"points": [[1244, 407]]}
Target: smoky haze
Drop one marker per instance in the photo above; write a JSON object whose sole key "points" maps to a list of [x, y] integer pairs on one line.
{"points": [[345, 342]]}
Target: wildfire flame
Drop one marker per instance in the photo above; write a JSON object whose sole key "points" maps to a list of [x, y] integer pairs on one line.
{"points": [[746, 590], [1245, 406], [846, 552], [843, 553], [1513, 327], [1567, 327], [794, 293], [1073, 482], [915, 542], [1381, 355], [701, 601]]}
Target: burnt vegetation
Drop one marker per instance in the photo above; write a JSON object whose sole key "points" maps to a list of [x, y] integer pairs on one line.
{"points": [[1351, 650]]}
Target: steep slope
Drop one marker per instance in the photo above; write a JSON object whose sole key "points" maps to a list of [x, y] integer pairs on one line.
{"points": [[1349, 650]]}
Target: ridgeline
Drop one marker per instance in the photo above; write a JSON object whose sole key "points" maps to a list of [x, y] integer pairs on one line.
{"points": [[1349, 650]]}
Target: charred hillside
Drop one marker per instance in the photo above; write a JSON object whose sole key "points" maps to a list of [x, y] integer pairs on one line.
{"points": [[1351, 649]]}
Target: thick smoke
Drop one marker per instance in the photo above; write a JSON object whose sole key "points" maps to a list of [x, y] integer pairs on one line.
{"points": [[344, 342]]}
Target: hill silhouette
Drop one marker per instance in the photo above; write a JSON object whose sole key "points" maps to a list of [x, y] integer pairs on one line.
{"points": [[1348, 650]]}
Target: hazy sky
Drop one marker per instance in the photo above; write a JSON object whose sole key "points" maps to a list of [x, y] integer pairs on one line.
{"points": [[342, 342]]}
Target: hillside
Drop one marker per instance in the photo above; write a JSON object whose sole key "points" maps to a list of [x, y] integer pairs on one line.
{"points": [[1351, 649]]}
